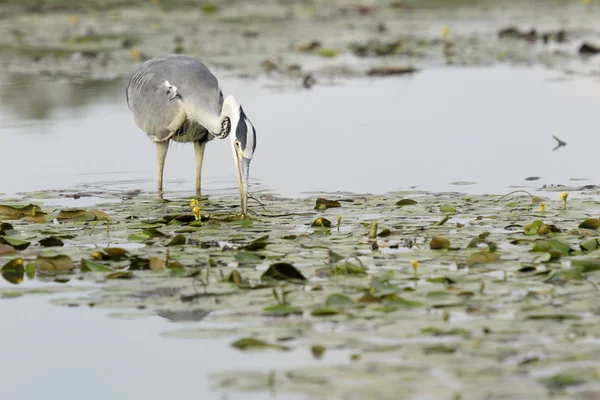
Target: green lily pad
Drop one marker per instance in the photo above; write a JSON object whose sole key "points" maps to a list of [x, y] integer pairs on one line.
{"points": [[406, 202], [59, 263], [246, 344], [282, 272], [92, 266], [439, 243], [16, 243], [13, 271], [323, 204], [282, 310]]}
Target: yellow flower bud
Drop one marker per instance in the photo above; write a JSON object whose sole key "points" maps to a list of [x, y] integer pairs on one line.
{"points": [[193, 203], [564, 195], [415, 264], [197, 213], [542, 207], [445, 31]]}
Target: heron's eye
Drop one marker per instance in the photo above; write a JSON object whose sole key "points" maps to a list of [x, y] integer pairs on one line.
{"points": [[237, 143]]}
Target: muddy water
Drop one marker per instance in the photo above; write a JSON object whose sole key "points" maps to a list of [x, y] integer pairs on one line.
{"points": [[493, 127]]}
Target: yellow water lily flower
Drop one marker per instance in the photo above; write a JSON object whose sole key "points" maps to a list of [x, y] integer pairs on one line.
{"points": [[542, 207], [415, 265], [197, 213], [135, 54], [73, 18], [445, 31], [193, 203], [564, 195], [587, 2]]}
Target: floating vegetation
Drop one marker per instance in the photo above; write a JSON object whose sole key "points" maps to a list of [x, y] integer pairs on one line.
{"points": [[460, 282]]}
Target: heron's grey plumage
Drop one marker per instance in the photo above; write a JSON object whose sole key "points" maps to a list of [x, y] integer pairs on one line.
{"points": [[176, 97], [160, 115]]}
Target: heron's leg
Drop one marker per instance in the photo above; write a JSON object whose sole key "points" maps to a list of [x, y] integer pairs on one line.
{"points": [[161, 155], [199, 150]]}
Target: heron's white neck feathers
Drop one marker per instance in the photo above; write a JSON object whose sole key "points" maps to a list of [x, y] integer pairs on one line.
{"points": [[230, 109]]}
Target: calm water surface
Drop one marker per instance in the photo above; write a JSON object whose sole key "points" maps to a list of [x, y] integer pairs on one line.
{"points": [[489, 126], [493, 127]]}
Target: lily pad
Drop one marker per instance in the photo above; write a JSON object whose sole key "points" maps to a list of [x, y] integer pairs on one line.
{"points": [[246, 344], [439, 243], [59, 263], [282, 272], [323, 204], [13, 271]]}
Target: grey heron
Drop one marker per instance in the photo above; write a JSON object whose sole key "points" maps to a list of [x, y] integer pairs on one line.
{"points": [[176, 97]]}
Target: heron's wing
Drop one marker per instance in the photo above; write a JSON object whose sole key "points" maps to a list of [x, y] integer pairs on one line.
{"points": [[164, 91]]}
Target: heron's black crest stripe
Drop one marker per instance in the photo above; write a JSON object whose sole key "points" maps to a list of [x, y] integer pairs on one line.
{"points": [[241, 132]]}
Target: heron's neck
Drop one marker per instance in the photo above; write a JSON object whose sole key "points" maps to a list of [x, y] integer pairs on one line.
{"points": [[221, 125]]}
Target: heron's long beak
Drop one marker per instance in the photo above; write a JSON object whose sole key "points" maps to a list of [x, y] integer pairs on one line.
{"points": [[243, 167]]}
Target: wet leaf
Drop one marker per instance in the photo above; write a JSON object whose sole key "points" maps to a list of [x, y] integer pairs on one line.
{"points": [[562, 380], [406, 202], [114, 253], [19, 211], [246, 344], [13, 271], [282, 272], [324, 312], [119, 275], [235, 277], [482, 257], [51, 242], [59, 263], [442, 279], [92, 266], [321, 223], [323, 204], [542, 246], [317, 351], [440, 349], [588, 265], [447, 208], [589, 245], [380, 288], [439, 243], [337, 300], [282, 310], [590, 223], [553, 317], [178, 240], [328, 53], [563, 247], [257, 244], [156, 264], [76, 214], [481, 238], [533, 228], [16, 243], [244, 257]]}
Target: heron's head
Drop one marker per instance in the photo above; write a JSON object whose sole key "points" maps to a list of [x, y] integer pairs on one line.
{"points": [[243, 144]]}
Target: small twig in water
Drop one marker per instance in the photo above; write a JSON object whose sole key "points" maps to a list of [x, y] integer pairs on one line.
{"points": [[97, 222], [517, 191], [258, 201]]}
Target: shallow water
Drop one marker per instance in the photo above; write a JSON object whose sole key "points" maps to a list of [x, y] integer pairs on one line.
{"points": [[492, 127], [116, 358]]}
